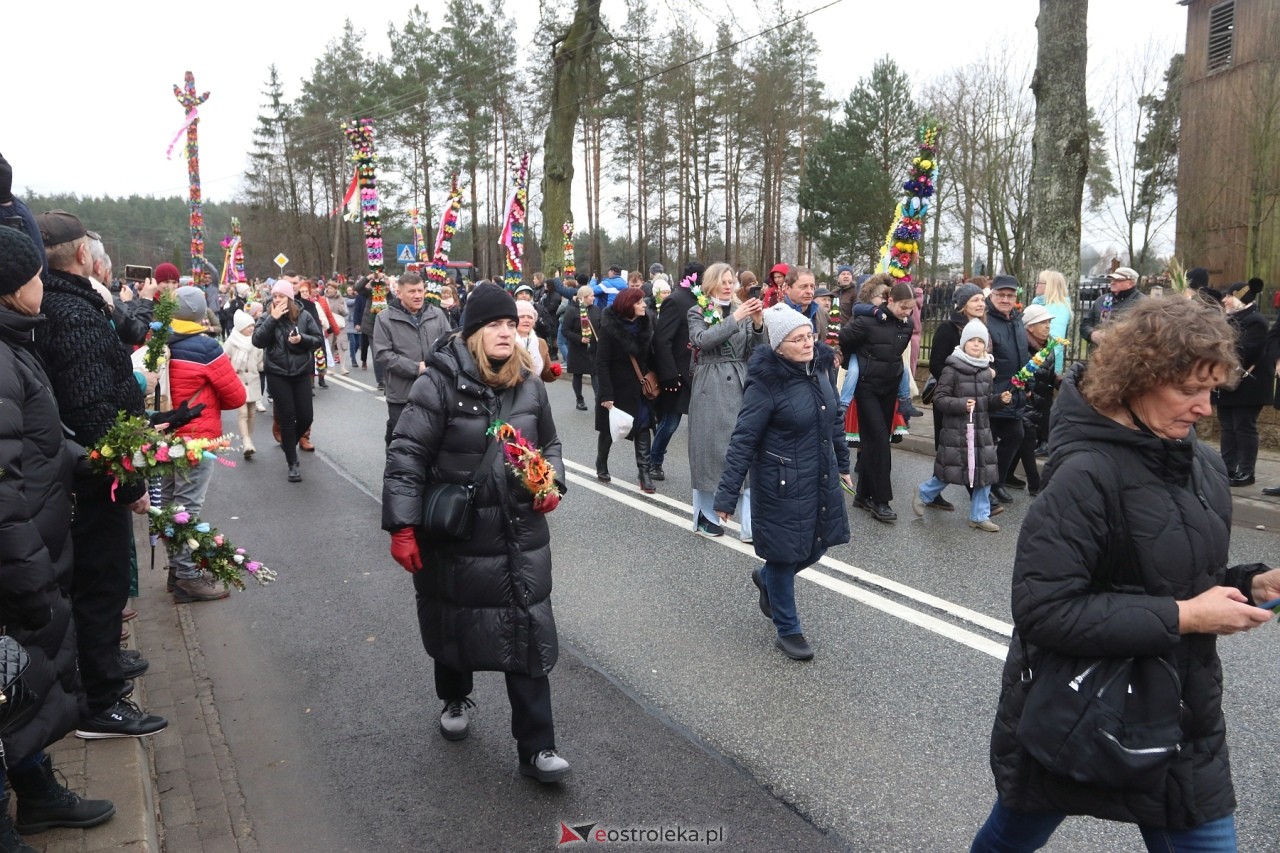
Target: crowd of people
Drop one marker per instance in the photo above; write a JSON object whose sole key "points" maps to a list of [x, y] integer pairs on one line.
{"points": [[794, 394]]}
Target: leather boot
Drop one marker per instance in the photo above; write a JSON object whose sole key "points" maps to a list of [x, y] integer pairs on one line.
{"points": [[304, 442], [642, 461], [603, 442], [43, 803]]}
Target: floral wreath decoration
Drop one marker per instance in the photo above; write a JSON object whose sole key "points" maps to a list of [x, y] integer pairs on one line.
{"points": [[211, 551]]}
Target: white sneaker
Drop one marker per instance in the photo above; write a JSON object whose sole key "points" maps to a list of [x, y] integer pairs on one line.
{"points": [[260, 406], [917, 505], [346, 371], [546, 767]]}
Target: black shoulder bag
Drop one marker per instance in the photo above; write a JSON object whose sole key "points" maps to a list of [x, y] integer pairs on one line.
{"points": [[1111, 722], [448, 509], [18, 702]]}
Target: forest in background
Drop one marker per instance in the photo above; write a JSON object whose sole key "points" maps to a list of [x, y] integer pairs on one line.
{"points": [[728, 149]]}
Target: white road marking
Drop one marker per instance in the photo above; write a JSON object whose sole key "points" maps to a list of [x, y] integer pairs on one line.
{"points": [[871, 599]]}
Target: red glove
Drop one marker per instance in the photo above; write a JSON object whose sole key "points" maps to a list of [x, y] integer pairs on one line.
{"points": [[556, 368], [547, 502], [404, 549]]}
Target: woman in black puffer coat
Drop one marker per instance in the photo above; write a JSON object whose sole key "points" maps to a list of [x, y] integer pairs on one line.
{"points": [[789, 439], [1124, 554], [36, 556], [289, 339], [625, 333], [484, 603]]}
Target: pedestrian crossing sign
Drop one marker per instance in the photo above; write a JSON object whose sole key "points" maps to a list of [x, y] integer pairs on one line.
{"points": [[404, 253]]}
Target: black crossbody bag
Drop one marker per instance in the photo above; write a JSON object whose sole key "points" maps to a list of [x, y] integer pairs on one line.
{"points": [[448, 509], [1111, 722]]}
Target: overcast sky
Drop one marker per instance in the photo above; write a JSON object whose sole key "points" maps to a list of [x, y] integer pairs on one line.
{"points": [[88, 104]]}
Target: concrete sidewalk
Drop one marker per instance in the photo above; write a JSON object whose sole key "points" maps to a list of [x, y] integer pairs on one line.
{"points": [[178, 791]]}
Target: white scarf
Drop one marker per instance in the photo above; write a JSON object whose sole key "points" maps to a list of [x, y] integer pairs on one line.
{"points": [[535, 352]]}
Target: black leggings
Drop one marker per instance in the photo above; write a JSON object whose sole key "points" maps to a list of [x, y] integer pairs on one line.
{"points": [[364, 349], [291, 396], [577, 384], [875, 460]]}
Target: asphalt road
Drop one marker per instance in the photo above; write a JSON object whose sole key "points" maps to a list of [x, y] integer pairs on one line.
{"points": [[671, 702]]}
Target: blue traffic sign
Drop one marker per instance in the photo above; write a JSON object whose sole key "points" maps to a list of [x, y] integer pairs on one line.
{"points": [[404, 253]]}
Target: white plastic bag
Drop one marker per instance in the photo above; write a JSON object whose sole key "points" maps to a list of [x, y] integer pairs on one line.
{"points": [[620, 423]]}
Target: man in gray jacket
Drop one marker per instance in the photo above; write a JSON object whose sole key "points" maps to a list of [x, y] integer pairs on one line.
{"points": [[402, 337]]}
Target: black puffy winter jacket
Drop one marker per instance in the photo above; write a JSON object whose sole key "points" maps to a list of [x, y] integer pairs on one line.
{"points": [[278, 355], [484, 603], [878, 341], [1176, 510], [35, 539]]}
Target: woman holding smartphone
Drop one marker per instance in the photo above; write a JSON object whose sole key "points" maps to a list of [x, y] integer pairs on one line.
{"points": [[289, 338]]}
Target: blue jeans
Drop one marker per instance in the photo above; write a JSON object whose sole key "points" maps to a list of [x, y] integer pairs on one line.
{"points": [[904, 387], [850, 383], [662, 437], [1007, 831], [353, 338], [780, 582], [979, 506]]}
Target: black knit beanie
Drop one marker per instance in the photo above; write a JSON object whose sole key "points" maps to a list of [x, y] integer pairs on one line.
{"points": [[487, 303], [19, 260]]}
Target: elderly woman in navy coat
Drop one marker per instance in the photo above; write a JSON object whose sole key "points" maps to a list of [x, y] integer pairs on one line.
{"points": [[790, 437]]}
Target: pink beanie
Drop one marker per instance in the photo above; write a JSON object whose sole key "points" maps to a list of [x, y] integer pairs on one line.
{"points": [[284, 287]]}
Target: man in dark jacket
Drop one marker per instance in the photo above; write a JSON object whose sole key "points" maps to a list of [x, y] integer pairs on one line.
{"points": [[1009, 346], [673, 359], [1123, 296], [402, 337], [93, 381]]}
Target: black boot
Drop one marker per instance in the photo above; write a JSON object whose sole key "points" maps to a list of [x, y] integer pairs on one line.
{"points": [[603, 442], [642, 462], [43, 803], [10, 840]]}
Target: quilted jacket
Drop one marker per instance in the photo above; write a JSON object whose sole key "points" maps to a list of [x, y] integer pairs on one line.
{"points": [[1106, 483], [483, 603], [789, 436], [35, 540]]}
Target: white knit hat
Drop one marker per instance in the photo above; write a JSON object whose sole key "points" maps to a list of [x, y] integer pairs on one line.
{"points": [[780, 321], [975, 329]]}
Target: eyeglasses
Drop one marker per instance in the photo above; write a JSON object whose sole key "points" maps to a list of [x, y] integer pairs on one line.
{"points": [[802, 339]]}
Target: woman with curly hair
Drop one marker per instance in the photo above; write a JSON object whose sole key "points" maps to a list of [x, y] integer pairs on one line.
{"points": [[1124, 555]]}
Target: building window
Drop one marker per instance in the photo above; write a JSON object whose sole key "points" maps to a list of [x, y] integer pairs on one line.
{"points": [[1222, 24]]}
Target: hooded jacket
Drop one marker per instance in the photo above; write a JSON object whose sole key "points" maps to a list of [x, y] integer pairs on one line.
{"points": [[960, 382], [790, 438], [35, 539], [200, 372], [1170, 499], [484, 603]]}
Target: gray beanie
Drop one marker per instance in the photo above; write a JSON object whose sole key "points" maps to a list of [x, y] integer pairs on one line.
{"points": [[964, 293], [975, 329], [780, 321], [191, 304]]}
